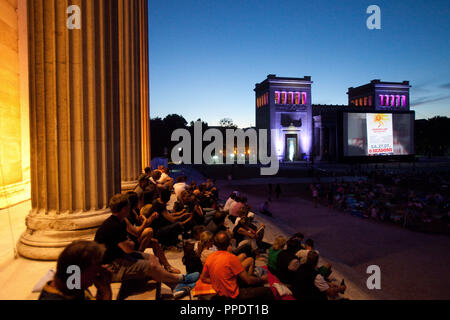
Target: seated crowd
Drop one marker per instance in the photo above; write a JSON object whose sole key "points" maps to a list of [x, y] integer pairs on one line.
{"points": [[220, 245], [413, 200]]}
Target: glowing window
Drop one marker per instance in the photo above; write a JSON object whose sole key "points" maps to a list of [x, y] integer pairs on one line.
{"points": [[290, 98], [370, 101], [381, 100], [397, 101], [365, 101], [277, 97], [283, 98], [297, 98], [403, 101], [303, 97], [386, 100]]}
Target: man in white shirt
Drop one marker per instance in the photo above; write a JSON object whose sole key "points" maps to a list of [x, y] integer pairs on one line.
{"points": [[229, 202], [179, 186], [303, 253], [164, 181]]}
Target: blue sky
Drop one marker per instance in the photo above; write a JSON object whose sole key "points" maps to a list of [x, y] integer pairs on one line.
{"points": [[207, 55]]}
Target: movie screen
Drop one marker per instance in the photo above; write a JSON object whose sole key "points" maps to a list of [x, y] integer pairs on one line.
{"points": [[378, 134]]}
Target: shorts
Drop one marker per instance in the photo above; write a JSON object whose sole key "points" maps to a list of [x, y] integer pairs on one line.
{"points": [[136, 266]]}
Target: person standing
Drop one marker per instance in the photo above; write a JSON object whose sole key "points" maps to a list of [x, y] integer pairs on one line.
{"points": [[278, 190]]}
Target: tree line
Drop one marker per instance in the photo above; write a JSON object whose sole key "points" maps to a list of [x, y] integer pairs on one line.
{"points": [[431, 135]]}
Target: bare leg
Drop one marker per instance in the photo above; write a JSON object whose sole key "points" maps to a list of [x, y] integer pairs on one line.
{"points": [[242, 257], [145, 238], [148, 242], [159, 274], [248, 265]]}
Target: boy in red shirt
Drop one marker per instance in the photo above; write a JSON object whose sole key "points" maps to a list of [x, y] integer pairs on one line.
{"points": [[222, 270]]}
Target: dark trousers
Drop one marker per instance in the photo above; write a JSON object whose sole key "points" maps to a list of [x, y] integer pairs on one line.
{"points": [[168, 235], [250, 293], [232, 218], [255, 293]]}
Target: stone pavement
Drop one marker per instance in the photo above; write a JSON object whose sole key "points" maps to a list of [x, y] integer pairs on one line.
{"points": [[413, 265], [18, 275]]}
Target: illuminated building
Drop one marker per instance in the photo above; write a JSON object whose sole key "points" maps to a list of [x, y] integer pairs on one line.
{"points": [[284, 104], [305, 131]]}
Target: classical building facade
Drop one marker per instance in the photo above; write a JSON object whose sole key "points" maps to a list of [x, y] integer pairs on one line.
{"points": [[381, 96], [284, 104], [77, 116], [305, 131]]}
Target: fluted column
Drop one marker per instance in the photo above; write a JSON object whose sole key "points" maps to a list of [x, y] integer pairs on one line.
{"points": [[145, 112], [74, 122], [130, 93]]}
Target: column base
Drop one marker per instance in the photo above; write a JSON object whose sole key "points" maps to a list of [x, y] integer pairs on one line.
{"points": [[47, 235], [129, 185]]}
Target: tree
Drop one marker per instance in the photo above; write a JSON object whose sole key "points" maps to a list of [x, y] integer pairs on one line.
{"points": [[227, 123], [158, 136], [175, 121], [204, 124], [161, 133], [430, 136]]}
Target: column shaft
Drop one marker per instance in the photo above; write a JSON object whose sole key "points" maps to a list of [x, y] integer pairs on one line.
{"points": [[130, 92], [145, 112], [74, 117]]}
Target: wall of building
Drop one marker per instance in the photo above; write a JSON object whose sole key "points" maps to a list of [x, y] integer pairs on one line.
{"points": [[14, 110]]}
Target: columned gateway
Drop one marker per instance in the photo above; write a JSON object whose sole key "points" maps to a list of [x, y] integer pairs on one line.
{"points": [[284, 105], [376, 124], [85, 99]]}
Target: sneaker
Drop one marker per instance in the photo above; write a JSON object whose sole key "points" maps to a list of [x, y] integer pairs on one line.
{"points": [[259, 272], [191, 277], [179, 246]]}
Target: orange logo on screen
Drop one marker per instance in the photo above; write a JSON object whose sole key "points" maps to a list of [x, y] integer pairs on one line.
{"points": [[379, 118]]}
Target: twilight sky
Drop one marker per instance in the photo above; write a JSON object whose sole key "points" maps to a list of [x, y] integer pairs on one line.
{"points": [[207, 55]]}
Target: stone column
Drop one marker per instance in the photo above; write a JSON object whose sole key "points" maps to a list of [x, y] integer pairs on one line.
{"points": [[145, 112], [74, 121], [130, 93], [333, 144], [322, 142]]}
